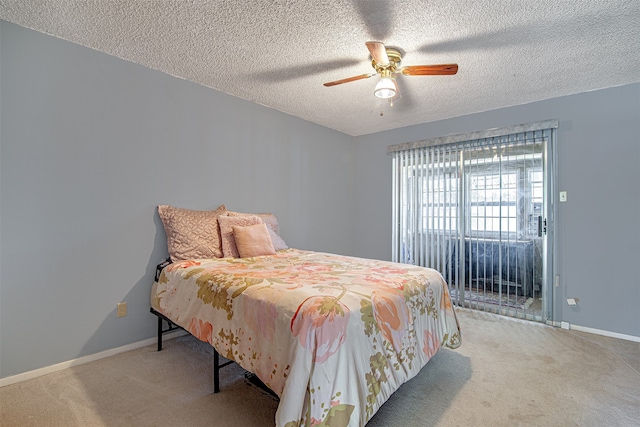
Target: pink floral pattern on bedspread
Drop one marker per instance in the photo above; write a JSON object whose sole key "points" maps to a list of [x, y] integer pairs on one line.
{"points": [[333, 336]]}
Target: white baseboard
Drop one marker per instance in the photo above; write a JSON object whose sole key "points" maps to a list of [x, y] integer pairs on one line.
{"points": [[563, 325], [569, 326], [605, 333], [85, 359]]}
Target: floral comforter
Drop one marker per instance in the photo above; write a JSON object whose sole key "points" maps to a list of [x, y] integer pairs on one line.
{"points": [[333, 336]]}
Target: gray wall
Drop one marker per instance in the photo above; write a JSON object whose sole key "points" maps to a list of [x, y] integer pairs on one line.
{"points": [[90, 145], [598, 228]]}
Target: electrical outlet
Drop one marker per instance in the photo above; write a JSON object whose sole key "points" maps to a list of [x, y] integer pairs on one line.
{"points": [[572, 301], [122, 309]]}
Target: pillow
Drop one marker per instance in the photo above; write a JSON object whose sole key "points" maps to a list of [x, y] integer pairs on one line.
{"points": [[253, 240], [268, 218], [229, 248], [277, 241], [272, 225], [191, 234]]}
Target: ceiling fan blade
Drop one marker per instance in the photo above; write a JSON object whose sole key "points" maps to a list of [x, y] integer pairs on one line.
{"points": [[378, 52], [349, 79], [430, 70]]}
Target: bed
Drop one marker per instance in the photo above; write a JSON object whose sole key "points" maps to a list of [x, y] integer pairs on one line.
{"points": [[332, 336]]}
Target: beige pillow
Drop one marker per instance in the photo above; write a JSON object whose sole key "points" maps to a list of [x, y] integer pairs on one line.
{"points": [[272, 224], [229, 248], [253, 240], [191, 234]]}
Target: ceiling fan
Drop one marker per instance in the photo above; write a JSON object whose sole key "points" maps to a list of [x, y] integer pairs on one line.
{"points": [[386, 61]]}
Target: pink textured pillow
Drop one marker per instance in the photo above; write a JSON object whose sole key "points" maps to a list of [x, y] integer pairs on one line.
{"points": [[272, 225], [229, 248], [268, 218], [191, 234], [253, 240]]}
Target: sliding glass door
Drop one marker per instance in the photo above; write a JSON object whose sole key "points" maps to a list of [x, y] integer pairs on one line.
{"points": [[478, 210]]}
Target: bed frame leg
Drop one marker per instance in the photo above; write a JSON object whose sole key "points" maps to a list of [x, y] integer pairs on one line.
{"points": [[159, 333], [216, 371]]}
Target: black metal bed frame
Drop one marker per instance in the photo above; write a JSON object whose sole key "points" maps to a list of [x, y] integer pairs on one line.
{"points": [[173, 327]]}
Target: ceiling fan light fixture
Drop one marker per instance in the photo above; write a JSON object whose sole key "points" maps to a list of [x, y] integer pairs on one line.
{"points": [[386, 88]]}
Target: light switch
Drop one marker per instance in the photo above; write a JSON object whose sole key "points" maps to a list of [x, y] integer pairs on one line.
{"points": [[563, 196]]}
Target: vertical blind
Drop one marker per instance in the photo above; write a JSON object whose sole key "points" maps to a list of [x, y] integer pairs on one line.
{"points": [[471, 207]]}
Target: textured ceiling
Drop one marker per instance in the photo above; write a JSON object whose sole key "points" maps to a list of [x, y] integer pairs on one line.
{"points": [[278, 53]]}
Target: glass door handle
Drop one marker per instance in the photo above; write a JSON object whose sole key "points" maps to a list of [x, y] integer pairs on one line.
{"points": [[539, 226], [542, 226]]}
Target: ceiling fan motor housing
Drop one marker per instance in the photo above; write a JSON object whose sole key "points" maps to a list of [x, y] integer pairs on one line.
{"points": [[395, 58]]}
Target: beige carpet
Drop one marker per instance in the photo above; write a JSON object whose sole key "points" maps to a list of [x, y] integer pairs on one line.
{"points": [[506, 373]]}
